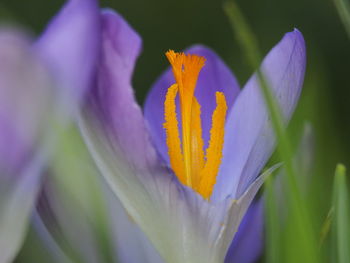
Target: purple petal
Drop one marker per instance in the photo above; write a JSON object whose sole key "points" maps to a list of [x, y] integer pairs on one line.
{"points": [[215, 76], [130, 243], [248, 242], [24, 91], [113, 98], [70, 46], [249, 138], [24, 102]]}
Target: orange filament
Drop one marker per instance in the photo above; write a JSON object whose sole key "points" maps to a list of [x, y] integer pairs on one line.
{"points": [[187, 156]]}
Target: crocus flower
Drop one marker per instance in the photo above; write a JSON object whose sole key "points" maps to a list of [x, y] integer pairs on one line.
{"points": [[77, 211], [131, 149], [40, 82]]}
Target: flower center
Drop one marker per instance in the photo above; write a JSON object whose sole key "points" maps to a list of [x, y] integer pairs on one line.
{"points": [[187, 158]]}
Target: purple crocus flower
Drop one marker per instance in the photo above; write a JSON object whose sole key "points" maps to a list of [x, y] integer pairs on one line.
{"points": [[131, 149], [41, 81], [71, 219]]}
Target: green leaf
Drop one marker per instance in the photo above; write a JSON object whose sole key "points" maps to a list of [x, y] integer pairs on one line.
{"points": [[341, 244], [272, 224], [327, 226], [343, 8]]}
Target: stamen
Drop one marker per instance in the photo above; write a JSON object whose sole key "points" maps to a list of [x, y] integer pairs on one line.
{"points": [[172, 133], [186, 69], [196, 142], [214, 150], [176, 61], [189, 164]]}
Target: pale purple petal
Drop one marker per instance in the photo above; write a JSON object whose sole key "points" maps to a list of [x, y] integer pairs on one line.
{"points": [[130, 243], [25, 101], [240, 206], [25, 88], [113, 99], [215, 76], [70, 47], [247, 245], [16, 204], [249, 137]]}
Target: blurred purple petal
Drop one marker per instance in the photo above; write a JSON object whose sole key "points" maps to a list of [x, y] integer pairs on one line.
{"points": [[113, 98], [215, 76], [24, 93], [249, 137], [247, 245], [69, 50], [25, 105], [70, 47]]}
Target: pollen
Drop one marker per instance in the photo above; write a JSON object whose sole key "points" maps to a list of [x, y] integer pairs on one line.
{"points": [[187, 159]]}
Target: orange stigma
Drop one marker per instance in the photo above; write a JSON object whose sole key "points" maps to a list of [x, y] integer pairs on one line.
{"points": [[187, 159]]}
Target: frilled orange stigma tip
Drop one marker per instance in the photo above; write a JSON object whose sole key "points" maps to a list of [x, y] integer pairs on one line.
{"points": [[187, 158]]}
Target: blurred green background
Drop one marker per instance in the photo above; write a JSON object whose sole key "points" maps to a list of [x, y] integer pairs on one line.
{"points": [[170, 24]]}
